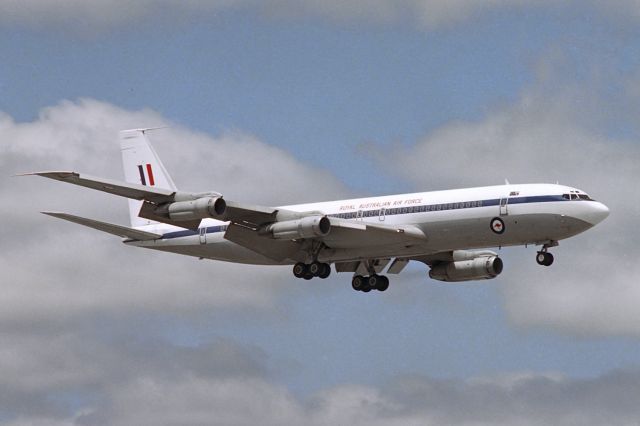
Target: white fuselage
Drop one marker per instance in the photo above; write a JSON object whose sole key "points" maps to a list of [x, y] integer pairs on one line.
{"points": [[451, 220]]}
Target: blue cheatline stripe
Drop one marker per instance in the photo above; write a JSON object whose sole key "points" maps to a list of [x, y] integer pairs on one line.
{"points": [[425, 208], [189, 232], [537, 199]]}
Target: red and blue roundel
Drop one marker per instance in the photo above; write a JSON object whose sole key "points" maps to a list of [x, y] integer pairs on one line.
{"points": [[497, 225]]}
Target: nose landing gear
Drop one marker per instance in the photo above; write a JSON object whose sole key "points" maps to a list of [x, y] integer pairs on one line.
{"points": [[543, 257]]}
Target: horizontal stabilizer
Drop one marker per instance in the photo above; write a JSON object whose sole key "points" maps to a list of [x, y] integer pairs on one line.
{"points": [[121, 231]]}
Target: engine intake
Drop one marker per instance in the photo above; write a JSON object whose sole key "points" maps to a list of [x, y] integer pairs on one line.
{"points": [[201, 208], [307, 227], [479, 268]]}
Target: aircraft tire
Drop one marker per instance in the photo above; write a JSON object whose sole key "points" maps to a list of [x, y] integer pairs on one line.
{"points": [[326, 271], [383, 283], [315, 269], [544, 258], [299, 270], [373, 281], [357, 283]]}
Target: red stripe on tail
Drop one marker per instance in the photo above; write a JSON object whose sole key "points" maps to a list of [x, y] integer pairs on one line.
{"points": [[150, 173]]}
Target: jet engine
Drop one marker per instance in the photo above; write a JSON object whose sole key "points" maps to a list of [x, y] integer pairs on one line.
{"points": [[307, 227], [200, 208], [479, 268]]}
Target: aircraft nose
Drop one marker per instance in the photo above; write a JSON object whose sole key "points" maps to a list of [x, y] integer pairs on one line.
{"points": [[597, 213]]}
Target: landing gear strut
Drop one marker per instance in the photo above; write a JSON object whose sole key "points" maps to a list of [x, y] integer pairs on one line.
{"points": [[372, 282], [309, 271], [543, 257]]}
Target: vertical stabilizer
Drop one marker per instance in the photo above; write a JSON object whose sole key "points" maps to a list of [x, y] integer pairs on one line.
{"points": [[142, 166]]}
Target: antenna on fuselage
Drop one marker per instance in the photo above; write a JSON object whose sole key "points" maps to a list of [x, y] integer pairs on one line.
{"points": [[506, 181]]}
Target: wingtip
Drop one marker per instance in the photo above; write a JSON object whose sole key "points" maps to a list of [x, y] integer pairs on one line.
{"points": [[49, 173], [54, 214]]}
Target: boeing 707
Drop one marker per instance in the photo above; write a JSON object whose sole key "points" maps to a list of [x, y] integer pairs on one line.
{"points": [[449, 231]]}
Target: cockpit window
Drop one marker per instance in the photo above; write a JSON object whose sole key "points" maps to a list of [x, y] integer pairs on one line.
{"points": [[573, 196]]}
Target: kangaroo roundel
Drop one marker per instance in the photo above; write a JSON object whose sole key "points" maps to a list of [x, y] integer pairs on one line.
{"points": [[497, 225]]}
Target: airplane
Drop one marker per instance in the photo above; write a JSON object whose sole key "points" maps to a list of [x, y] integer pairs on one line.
{"points": [[449, 230]]}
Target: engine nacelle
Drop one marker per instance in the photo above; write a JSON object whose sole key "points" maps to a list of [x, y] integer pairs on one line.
{"points": [[200, 208], [479, 268], [307, 227]]}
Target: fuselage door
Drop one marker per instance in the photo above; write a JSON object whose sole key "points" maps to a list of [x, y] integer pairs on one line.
{"points": [[203, 235], [503, 206], [382, 214]]}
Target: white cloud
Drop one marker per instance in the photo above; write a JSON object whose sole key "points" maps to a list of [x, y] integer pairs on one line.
{"points": [[65, 359], [550, 134], [87, 16], [55, 270]]}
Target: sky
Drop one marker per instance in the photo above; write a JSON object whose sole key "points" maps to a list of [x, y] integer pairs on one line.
{"points": [[278, 102]]}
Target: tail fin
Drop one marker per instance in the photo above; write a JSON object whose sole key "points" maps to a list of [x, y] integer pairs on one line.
{"points": [[142, 166]]}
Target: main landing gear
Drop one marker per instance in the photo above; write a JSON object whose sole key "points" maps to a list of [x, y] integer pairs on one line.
{"points": [[543, 257], [311, 270], [365, 284], [372, 282]]}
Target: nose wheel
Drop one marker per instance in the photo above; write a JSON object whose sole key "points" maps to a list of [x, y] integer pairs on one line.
{"points": [[544, 258]]}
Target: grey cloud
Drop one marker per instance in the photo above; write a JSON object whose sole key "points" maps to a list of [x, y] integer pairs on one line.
{"points": [[134, 378], [40, 371], [89, 16], [118, 379], [525, 399]]}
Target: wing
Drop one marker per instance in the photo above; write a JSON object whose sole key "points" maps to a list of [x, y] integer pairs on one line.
{"points": [[343, 234], [351, 234], [152, 197], [123, 189]]}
